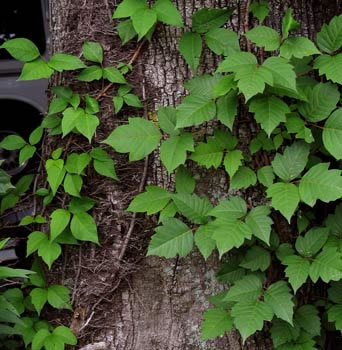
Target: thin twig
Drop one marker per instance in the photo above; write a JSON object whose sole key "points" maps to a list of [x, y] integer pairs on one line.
{"points": [[96, 346]]}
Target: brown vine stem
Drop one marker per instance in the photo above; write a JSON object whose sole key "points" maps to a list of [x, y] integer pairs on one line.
{"points": [[246, 25], [131, 61]]}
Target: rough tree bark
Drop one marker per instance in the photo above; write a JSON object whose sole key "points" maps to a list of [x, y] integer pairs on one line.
{"points": [[160, 306]]}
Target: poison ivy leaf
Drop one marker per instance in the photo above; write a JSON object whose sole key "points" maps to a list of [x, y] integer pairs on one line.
{"points": [[227, 109], [320, 183], [35, 70], [307, 318], [12, 142], [205, 19], [298, 47], [8, 272], [282, 332], [265, 37], [49, 252], [168, 13], [335, 292], [105, 168], [233, 208], [297, 270], [39, 338], [256, 258], [167, 118], [78, 205], [260, 223], [55, 173], [126, 31], [185, 183], [21, 49], [334, 315], [118, 102], [26, 153], [243, 178], [57, 105], [285, 198], [59, 297], [331, 66], [87, 125], [61, 62], [232, 162], [203, 85], [93, 52], [329, 39], [173, 151], [284, 250], [9, 201], [279, 298], [327, 266], [36, 135], [168, 212], [73, 184], [288, 23], [132, 100], [34, 241], [249, 317], [76, 163], [222, 41], [224, 85], [173, 238], [332, 134], [59, 221], [208, 154], [65, 334], [259, 9], [266, 175], [216, 322], [70, 118], [90, 73], [248, 289], [38, 298], [312, 242], [152, 201], [269, 111], [289, 165], [113, 75], [140, 137], [128, 7], [322, 100], [143, 20], [230, 272], [204, 241], [83, 227], [196, 209], [190, 46]]}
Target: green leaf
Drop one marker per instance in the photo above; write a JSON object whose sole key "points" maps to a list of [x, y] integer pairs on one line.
{"points": [[152, 201], [26, 153], [232, 162], [70, 117], [260, 223], [49, 252], [249, 317], [266, 175], [265, 37], [62, 92], [78, 205], [92, 106], [233, 208], [23, 184], [285, 198], [173, 238], [204, 241], [105, 168], [327, 266], [53, 342], [196, 209], [282, 332], [298, 47], [126, 31], [322, 100], [329, 39], [331, 66], [36, 135], [243, 178], [37, 69], [297, 270], [39, 338], [73, 184], [320, 183], [227, 109], [21, 49], [140, 137], [76, 163], [185, 183], [65, 334], [259, 9], [83, 227], [307, 317], [190, 47], [92, 52], [61, 62], [173, 151], [114, 75], [132, 100], [222, 41], [39, 298], [204, 85], [279, 298], [75, 100], [269, 111], [334, 292], [167, 13], [289, 165], [59, 221], [12, 142], [9, 201], [334, 315], [168, 212], [58, 297], [230, 272], [312, 242], [128, 7], [167, 118], [34, 241], [87, 124], [205, 19], [143, 20], [332, 134], [215, 323], [224, 85], [208, 154], [248, 288], [118, 102], [256, 258], [90, 73], [55, 173], [8, 272], [288, 23]]}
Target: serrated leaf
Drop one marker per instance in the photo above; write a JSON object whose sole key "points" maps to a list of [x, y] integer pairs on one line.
{"points": [[307, 317], [227, 109], [167, 118], [335, 315], [90, 73], [173, 151], [260, 223], [248, 288], [222, 41], [233, 208], [282, 332], [143, 20], [259, 9], [83, 227], [332, 134], [152, 201], [185, 183], [128, 7], [93, 51], [196, 209], [335, 292], [140, 137], [265, 37], [249, 317], [266, 175], [168, 13], [59, 297], [21, 49], [87, 124], [298, 47], [61, 62], [312, 242], [208, 154], [243, 178], [232, 162], [35, 70], [297, 270], [216, 322], [330, 66], [320, 183], [256, 258], [190, 47], [207, 18], [173, 238], [279, 298], [39, 298], [329, 39], [288, 23], [59, 221], [204, 241], [230, 272]]}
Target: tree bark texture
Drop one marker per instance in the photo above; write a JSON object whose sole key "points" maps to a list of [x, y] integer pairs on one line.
{"points": [[160, 306]]}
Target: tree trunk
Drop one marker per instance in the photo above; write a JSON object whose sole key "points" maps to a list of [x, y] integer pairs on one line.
{"points": [[160, 306]]}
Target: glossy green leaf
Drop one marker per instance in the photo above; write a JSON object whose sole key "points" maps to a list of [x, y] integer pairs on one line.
{"points": [[12, 142], [128, 7], [83, 227], [49, 252], [227, 109], [329, 39], [93, 52], [26, 153], [332, 134], [126, 31], [233, 208], [288, 23], [65, 334], [61, 62], [266, 175], [73, 184], [114, 75], [55, 173], [35, 70], [86, 124], [307, 317], [76, 163]]}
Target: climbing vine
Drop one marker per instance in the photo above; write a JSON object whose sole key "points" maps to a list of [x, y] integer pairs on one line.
{"points": [[273, 254]]}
